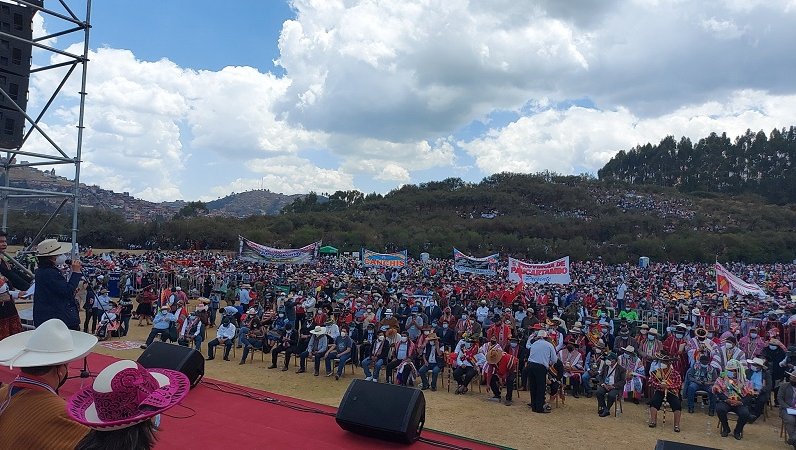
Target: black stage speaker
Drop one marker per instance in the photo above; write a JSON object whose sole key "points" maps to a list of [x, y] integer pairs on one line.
{"points": [[160, 355], [669, 445], [384, 411]]}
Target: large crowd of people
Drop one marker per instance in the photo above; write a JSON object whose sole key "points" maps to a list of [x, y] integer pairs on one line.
{"points": [[659, 333]]}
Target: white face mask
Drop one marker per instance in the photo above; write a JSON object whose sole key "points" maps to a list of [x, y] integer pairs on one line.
{"points": [[772, 347], [381, 338], [403, 338], [664, 365], [343, 334], [753, 335], [728, 345], [426, 333]]}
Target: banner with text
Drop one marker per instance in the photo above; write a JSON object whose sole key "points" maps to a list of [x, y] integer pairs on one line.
{"points": [[554, 272], [468, 264], [729, 284], [254, 252], [373, 259]]}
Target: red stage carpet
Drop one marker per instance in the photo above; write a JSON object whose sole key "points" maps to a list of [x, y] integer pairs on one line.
{"points": [[214, 415]]}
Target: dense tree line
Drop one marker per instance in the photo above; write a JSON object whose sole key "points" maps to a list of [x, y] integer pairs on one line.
{"points": [[754, 163], [533, 216]]}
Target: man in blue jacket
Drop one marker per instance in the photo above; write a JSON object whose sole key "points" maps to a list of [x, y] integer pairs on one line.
{"points": [[54, 297]]}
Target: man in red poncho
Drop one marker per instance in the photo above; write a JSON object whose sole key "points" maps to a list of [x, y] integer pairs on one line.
{"points": [[504, 372]]}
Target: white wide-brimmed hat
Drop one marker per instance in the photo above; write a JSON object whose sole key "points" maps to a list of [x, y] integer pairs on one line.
{"points": [[319, 330], [51, 344], [51, 247]]}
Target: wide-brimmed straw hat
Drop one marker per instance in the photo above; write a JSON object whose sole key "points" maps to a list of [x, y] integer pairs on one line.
{"points": [[663, 356], [51, 247], [51, 344], [318, 330], [757, 361], [493, 355], [125, 394]]}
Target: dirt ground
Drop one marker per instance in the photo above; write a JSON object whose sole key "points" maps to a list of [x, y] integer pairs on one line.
{"points": [[575, 424]]}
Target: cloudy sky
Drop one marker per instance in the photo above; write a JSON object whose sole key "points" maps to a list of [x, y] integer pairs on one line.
{"points": [[195, 99]]}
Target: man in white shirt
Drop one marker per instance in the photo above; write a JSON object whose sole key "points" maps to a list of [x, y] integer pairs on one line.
{"points": [[541, 356], [620, 295], [224, 336], [482, 312], [243, 295]]}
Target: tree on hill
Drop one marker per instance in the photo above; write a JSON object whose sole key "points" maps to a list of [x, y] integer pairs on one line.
{"points": [[755, 163], [192, 209]]}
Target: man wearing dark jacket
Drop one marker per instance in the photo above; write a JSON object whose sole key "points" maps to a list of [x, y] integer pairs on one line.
{"points": [[54, 297], [612, 382], [289, 345]]}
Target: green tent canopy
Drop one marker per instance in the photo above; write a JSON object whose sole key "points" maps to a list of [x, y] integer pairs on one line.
{"points": [[328, 250]]}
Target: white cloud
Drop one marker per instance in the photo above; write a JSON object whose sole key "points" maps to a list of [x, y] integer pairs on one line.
{"points": [[288, 175], [580, 139], [378, 89], [722, 29]]}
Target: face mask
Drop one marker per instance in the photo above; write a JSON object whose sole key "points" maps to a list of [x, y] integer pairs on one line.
{"points": [[650, 337], [664, 365], [381, 338], [445, 325], [464, 316], [643, 332], [704, 366], [755, 369], [164, 312], [281, 315], [513, 344], [772, 347], [728, 345], [60, 260], [507, 323], [388, 315], [404, 338], [343, 334], [627, 308], [597, 351], [467, 345], [753, 335]]}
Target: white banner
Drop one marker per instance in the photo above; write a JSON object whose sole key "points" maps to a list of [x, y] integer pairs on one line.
{"points": [[729, 284], [554, 272]]}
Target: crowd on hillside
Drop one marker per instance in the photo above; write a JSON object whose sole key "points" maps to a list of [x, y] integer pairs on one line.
{"points": [[678, 208]]}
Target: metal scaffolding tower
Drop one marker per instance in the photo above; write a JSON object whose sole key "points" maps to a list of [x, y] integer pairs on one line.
{"points": [[68, 24]]}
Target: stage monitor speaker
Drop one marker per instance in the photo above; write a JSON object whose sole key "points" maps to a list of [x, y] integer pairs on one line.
{"points": [[160, 355], [669, 445], [384, 411]]}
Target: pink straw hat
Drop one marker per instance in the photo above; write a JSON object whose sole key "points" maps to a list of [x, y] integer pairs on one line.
{"points": [[125, 394]]}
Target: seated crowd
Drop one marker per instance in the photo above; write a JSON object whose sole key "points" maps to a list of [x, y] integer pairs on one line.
{"points": [[412, 340]]}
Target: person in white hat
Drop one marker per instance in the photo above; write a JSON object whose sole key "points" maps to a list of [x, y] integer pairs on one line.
{"points": [[760, 377], [316, 348], [54, 297], [33, 415], [541, 356]]}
